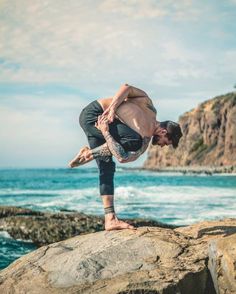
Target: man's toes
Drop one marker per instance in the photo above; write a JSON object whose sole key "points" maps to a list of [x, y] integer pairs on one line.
{"points": [[132, 227], [129, 226]]}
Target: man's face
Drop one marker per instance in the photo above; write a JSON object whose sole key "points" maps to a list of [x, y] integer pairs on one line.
{"points": [[161, 139]]}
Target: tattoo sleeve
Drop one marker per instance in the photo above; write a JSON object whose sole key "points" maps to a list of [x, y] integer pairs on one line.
{"points": [[112, 147], [133, 155], [102, 152]]}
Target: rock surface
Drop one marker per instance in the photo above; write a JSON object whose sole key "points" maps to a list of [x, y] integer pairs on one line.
{"points": [[46, 228], [209, 137], [222, 264], [146, 260]]}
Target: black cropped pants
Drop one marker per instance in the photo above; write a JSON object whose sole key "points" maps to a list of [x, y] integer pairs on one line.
{"points": [[127, 137]]}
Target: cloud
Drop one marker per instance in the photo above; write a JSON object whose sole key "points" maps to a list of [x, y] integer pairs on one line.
{"points": [[57, 56], [82, 42], [133, 8], [147, 10]]}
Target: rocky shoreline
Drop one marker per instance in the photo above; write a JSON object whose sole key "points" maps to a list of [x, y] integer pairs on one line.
{"points": [[196, 259], [44, 228], [208, 170]]}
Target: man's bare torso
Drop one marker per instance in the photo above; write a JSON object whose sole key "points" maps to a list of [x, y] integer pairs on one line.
{"points": [[138, 113]]}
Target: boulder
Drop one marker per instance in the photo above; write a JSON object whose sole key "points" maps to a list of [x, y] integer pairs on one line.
{"points": [[222, 264], [146, 260]]}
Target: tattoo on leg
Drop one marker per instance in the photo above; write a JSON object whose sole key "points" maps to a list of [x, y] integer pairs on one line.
{"points": [[109, 209], [102, 152]]}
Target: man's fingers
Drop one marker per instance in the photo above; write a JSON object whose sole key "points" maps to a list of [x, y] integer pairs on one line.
{"points": [[103, 119]]}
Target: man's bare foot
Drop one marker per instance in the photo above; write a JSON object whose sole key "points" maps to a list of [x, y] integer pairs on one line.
{"points": [[112, 223], [81, 158]]}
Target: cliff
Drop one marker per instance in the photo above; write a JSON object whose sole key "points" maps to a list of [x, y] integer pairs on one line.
{"points": [[209, 137], [199, 259]]}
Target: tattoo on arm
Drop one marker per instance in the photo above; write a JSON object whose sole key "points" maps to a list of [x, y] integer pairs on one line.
{"points": [[105, 151], [133, 155], [102, 152], [116, 149]]}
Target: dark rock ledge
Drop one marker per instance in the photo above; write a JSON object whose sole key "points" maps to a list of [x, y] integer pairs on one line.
{"points": [[46, 227]]}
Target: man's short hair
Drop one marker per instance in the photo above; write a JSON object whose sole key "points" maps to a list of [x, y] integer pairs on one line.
{"points": [[174, 132]]}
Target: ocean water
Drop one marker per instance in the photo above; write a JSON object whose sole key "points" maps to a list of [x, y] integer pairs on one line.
{"points": [[167, 197]]}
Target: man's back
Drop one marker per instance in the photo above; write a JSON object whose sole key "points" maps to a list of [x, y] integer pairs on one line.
{"points": [[136, 112]]}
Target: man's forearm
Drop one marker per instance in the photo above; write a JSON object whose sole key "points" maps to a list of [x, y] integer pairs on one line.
{"points": [[103, 152], [133, 155], [120, 96], [115, 148], [119, 152]]}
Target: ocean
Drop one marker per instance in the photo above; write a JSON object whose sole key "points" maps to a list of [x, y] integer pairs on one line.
{"points": [[171, 198]]}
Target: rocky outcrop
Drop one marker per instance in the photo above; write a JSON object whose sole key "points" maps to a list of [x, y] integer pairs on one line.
{"points": [[146, 260], [45, 228], [222, 264], [209, 137]]}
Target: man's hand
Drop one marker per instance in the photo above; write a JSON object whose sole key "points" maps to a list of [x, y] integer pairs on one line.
{"points": [[102, 124], [109, 113]]}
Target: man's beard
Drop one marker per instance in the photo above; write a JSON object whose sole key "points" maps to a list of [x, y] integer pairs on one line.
{"points": [[155, 139]]}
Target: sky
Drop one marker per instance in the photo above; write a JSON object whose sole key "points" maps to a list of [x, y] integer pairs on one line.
{"points": [[57, 56]]}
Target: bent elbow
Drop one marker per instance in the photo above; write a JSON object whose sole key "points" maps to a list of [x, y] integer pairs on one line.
{"points": [[121, 160], [126, 86]]}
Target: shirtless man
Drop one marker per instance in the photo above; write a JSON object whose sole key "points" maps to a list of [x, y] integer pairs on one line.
{"points": [[121, 126]]}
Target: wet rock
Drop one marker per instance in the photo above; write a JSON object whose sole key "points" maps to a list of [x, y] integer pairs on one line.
{"points": [[45, 228]]}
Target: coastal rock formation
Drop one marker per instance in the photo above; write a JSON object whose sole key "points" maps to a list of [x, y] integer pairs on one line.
{"points": [[222, 264], [209, 137], [44, 228], [146, 260]]}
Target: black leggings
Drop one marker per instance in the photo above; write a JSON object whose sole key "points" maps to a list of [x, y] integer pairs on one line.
{"points": [[127, 137]]}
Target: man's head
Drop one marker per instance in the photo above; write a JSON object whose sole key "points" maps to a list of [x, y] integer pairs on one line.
{"points": [[167, 133]]}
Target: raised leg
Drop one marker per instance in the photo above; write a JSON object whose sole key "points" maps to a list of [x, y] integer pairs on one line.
{"points": [[84, 156]]}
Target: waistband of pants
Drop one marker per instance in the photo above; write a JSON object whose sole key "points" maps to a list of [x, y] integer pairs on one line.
{"points": [[95, 105]]}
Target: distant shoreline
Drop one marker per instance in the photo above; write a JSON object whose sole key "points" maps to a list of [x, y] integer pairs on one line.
{"points": [[190, 169]]}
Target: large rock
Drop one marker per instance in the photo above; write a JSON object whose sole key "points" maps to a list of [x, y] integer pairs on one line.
{"points": [[209, 137], [146, 260], [222, 264]]}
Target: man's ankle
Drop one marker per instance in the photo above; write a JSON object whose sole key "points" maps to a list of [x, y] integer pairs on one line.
{"points": [[110, 216]]}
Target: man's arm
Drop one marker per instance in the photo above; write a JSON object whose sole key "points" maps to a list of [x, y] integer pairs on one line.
{"points": [[112, 147], [115, 148], [135, 92], [120, 96], [126, 91], [133, 155]]}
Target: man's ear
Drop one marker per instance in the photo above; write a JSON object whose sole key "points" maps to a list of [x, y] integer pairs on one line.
{"points": [[163, 131]]}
